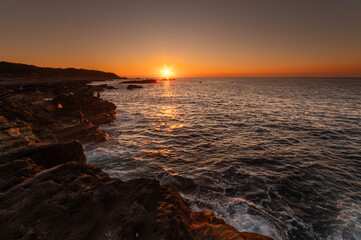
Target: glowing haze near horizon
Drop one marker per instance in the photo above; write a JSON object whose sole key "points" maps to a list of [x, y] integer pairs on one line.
{"points": [[192, 38]]}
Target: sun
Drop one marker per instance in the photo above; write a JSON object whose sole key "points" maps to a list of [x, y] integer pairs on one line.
{"points": [[166, 72]]}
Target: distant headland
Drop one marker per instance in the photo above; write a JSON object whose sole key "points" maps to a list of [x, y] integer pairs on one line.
{"points": [[18, 71]]}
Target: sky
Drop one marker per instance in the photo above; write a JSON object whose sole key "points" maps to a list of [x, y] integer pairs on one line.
{"points": [[191, 38]]}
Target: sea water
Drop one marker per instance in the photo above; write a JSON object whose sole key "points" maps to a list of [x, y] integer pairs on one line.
{"points": [[276, 156]]}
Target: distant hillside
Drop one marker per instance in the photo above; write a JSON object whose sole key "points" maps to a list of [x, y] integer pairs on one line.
{"points": [[18, 71]]}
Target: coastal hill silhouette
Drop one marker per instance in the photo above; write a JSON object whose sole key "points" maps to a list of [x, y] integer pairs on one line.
{"points": [[9, 71]]}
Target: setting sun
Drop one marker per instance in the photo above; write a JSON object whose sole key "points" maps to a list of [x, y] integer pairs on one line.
{"points": [[167, 72]]}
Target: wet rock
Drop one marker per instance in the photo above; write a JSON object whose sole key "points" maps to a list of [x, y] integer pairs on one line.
{"points": [[144, 81], [79, 201], [133, 86]]}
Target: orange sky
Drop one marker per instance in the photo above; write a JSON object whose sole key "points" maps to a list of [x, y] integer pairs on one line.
{"points": [[195, 39]]}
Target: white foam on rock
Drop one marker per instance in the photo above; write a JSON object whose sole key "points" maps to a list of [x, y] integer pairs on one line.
{"points": [[235, 212]]}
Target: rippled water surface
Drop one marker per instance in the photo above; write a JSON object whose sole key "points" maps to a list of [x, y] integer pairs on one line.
{"points": [[280, 157]]}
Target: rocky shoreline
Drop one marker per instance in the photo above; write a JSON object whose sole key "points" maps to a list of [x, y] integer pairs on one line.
{"points": [[48, 191]]}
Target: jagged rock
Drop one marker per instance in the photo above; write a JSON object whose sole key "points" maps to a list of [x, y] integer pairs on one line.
{"points": [[65, 117], [16, 166], [94, 109], [79, 201], [14, 135], [16, 171], [85, 133]]}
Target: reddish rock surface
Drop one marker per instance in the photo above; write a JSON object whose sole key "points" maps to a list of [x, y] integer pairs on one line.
{"points": [[207, 226]]}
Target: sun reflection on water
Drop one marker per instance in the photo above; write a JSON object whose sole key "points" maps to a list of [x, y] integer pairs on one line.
{"points": [[154, 153], [167, 116], [167, 119], [167, 89]]}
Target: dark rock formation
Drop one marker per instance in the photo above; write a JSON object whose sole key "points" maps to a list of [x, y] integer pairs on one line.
{"points": [[14, 135], [94, 109], [52, 113], [77, 201], [16, 171], [48, 155], [133, 86], [17, 166], [144, 81]]}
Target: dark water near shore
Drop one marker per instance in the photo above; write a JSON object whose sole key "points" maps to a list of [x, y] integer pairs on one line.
{"points": [[281, 157]]}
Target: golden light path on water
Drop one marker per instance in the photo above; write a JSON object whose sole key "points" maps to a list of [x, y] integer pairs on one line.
{"points": [[165, 114]]}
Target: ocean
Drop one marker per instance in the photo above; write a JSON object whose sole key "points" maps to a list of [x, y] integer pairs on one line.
{"points": [[275, 156]]}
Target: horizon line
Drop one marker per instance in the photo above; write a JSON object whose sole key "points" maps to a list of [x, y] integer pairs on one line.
{"points": [[318, 75], [247, 77]]}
